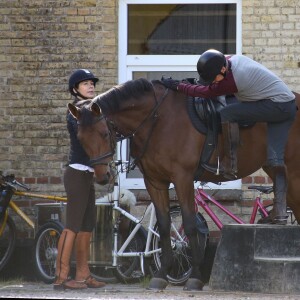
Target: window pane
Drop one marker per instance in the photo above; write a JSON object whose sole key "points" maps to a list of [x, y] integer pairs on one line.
{"points": [[187, 29], [152, 75]]}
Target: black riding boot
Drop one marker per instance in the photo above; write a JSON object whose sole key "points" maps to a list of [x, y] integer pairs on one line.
{"points": [[278, 214], [228, 165]]}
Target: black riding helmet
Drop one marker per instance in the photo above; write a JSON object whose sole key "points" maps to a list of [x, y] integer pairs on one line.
{"points": [[79, 76], [209, 65]]}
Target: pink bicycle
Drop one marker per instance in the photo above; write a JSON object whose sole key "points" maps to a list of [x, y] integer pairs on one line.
{"points": [[203, 199]]}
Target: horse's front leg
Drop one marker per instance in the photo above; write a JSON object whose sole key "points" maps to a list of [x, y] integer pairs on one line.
{"points": [[185, 193], [160, 199]]}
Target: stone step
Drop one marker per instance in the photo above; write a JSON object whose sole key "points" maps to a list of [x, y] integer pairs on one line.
{"points": [[257, 258]]}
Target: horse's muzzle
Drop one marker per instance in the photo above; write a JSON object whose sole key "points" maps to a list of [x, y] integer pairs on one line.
{"points": [[104, 177]]}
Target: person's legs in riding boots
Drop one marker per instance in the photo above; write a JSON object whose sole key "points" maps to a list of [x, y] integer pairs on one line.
{"points": [[81, 218], [83, 274], [277, 135], [228, 165], [65, 247]]}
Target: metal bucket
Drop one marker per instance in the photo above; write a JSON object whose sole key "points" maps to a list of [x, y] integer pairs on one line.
{"points": [[101, 242]]}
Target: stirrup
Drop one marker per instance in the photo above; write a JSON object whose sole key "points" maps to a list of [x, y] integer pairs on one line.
{"points": [[213, 169], [219, 171]]}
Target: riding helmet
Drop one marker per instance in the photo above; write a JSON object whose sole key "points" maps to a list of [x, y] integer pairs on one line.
{"points": [[209, 65], [79, 76]]}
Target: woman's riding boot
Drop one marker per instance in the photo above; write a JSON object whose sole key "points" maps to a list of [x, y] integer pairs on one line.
{"points": [[228, 165], [65, 246], [82, 248]]}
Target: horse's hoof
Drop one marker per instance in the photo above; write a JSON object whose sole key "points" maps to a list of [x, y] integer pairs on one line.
{"points": [[157, 284], [193, 284]]}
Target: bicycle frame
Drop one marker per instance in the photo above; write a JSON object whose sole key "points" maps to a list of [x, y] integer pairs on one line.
{"points": [[40, 196], [20, 213], [150, 211], [202, 199]]}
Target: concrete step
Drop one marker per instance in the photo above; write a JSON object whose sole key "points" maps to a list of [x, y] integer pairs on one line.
{"points": [[257, 258]]}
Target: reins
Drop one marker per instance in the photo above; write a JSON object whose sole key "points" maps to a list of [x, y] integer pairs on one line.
{"points": [[153, 114]]}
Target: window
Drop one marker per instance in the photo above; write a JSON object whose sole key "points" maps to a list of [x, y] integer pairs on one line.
{"points": [[181, 29], [166, 37]]}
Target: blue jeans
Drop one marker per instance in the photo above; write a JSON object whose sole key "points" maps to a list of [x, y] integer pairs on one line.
{"points": [[278, 116]]}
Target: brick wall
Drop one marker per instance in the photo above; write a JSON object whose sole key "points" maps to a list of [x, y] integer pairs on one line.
{"points": [[43, 41], [271, 36]]}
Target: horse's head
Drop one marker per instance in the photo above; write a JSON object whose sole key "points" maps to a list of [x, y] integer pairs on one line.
{"points": [[95, 137]]}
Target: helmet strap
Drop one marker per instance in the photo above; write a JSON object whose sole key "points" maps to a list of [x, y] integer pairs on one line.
{"points": [[77, 94]]}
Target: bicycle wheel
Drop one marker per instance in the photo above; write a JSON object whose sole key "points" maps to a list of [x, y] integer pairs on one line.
{"points": [[46, 243], [7, 241], [128, 268], [182, 267]]}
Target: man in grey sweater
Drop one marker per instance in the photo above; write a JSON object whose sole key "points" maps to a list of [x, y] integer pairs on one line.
{"points": [[262, 97]]}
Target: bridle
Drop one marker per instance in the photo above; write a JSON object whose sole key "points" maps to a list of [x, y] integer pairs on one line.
{"points": [[99, 160], [152, 115]]}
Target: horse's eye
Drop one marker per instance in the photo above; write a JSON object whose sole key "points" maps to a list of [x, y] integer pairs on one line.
{"points": [[105, 135]]}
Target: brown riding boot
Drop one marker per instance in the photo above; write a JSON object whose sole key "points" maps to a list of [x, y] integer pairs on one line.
{"points": [[65, 246], [83, 274], [228, 165]]}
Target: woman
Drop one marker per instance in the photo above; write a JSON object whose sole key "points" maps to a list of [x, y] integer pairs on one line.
{"points": [[79, 186]]}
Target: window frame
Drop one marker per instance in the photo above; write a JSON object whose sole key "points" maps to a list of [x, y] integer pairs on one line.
{"points": [[128, 64]]}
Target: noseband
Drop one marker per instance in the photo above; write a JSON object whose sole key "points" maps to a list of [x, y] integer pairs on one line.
{"points": [[98, 160]]}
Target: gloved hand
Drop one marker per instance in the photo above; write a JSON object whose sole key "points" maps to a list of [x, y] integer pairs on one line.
{"points": [[170, 83], [190, 80]]}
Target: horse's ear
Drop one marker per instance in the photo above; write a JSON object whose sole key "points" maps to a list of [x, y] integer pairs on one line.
{"points": [[74, 110], [95, 108]]}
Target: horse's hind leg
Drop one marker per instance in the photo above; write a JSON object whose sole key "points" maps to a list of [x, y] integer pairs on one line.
{"points": [[160, 199], [185, 193]]}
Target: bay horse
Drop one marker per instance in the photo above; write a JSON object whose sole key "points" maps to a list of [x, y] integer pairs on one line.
{"points": [[166, 147]]}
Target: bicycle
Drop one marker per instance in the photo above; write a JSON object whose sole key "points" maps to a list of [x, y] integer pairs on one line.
{"points": [[8, 230], [137, 255], [202, 199], [139, 251], [135, 250]]}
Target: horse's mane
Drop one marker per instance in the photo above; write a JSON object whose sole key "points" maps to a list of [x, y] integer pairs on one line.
{"points": [[110, 101]]}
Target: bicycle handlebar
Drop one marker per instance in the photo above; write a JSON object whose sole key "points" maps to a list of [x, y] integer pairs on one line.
{"points": [[11, 181]]}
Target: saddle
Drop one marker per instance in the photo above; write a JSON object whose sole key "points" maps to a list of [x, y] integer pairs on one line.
{"points": [[205, 117]]}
